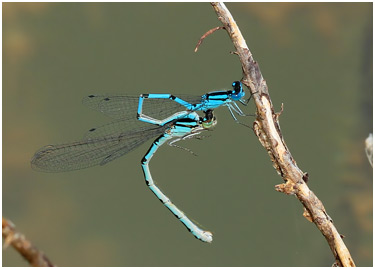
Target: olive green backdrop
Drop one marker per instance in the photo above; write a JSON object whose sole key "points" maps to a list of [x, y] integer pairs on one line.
{"points": [[317, 60]]}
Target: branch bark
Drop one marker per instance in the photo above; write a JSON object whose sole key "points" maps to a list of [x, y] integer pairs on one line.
{"points": [[11, 237], [268, 131]]}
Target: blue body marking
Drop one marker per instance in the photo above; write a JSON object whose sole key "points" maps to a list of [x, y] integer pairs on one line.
{"points": [[208, 101]]}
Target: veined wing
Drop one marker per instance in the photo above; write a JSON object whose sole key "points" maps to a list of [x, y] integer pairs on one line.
{"points": [[93, 149], [126, 106], [118, 128]]}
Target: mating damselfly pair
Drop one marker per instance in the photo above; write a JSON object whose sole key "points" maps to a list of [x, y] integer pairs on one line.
{"points": [[137, 120]]}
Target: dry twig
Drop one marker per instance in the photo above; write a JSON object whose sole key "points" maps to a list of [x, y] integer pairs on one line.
{"points": [[209, 32], [267, 129], [11, 237]]}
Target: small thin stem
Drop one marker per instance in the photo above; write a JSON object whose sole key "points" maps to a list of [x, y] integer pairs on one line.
{"points": [[205, 35]]}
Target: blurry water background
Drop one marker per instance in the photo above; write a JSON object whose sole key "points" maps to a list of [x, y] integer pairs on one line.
{"points": [[317, 60]]}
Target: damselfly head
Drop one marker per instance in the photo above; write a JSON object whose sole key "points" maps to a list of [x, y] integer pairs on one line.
{"points": [[238, 91], [209, 121]]}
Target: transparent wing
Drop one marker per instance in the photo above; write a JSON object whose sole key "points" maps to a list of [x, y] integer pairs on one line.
{"points": [[118, 128], [99, 146], [126, 106], [114, 106]]}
